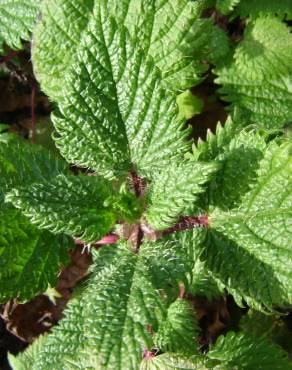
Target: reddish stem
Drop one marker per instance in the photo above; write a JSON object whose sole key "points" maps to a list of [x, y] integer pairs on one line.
{"points": [[33, 118], [138, 183], [182, 291], [188, 222], [8, 57], [148, 355], [139, 239], [150, 330], [108, 239]]}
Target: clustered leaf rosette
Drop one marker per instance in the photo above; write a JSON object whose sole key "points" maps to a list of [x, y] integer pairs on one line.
{"points": [[214, 219]]}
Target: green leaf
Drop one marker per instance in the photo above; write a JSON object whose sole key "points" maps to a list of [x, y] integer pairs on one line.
{"points": [[272, 327], [109, 320], [176, 50], [172, 361], [200, 280], [56, 39], [218, 45], [17, 19], [81, 206], [22, 163], [168, 265], [215, 143], [108, 324], [255, 239], [245, 352], [253, 9], [5, 136], [115, 113], [257, 80], [174, 189], [178, 333], [239, 162], [24, 360], [30, 259], [189, 105], [226, 6]]}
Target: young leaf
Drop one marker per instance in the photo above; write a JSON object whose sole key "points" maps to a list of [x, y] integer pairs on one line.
{"points": [[17, 19], [240, 161], [168, 264], [253, 9], [189, 105], [179, 330], [255, 239], [200, 280], [257, 79], [30, 259], [215, 143], [115, 113], [174, 189], [245, 352], [81, 206]]}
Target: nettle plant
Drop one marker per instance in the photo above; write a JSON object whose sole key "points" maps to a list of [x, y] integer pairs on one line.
{"points": [[183, 218]]}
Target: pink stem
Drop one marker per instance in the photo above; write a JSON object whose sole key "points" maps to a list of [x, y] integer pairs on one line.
{"points": [[108, 239], [182, 291], [148, 355], [188, 222], [185, 223], [138, 183]]}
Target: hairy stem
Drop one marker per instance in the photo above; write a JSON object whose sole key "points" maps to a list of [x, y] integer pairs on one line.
{"points": [[108, 239], [187, 222], [140, 236], [138, 184]]}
